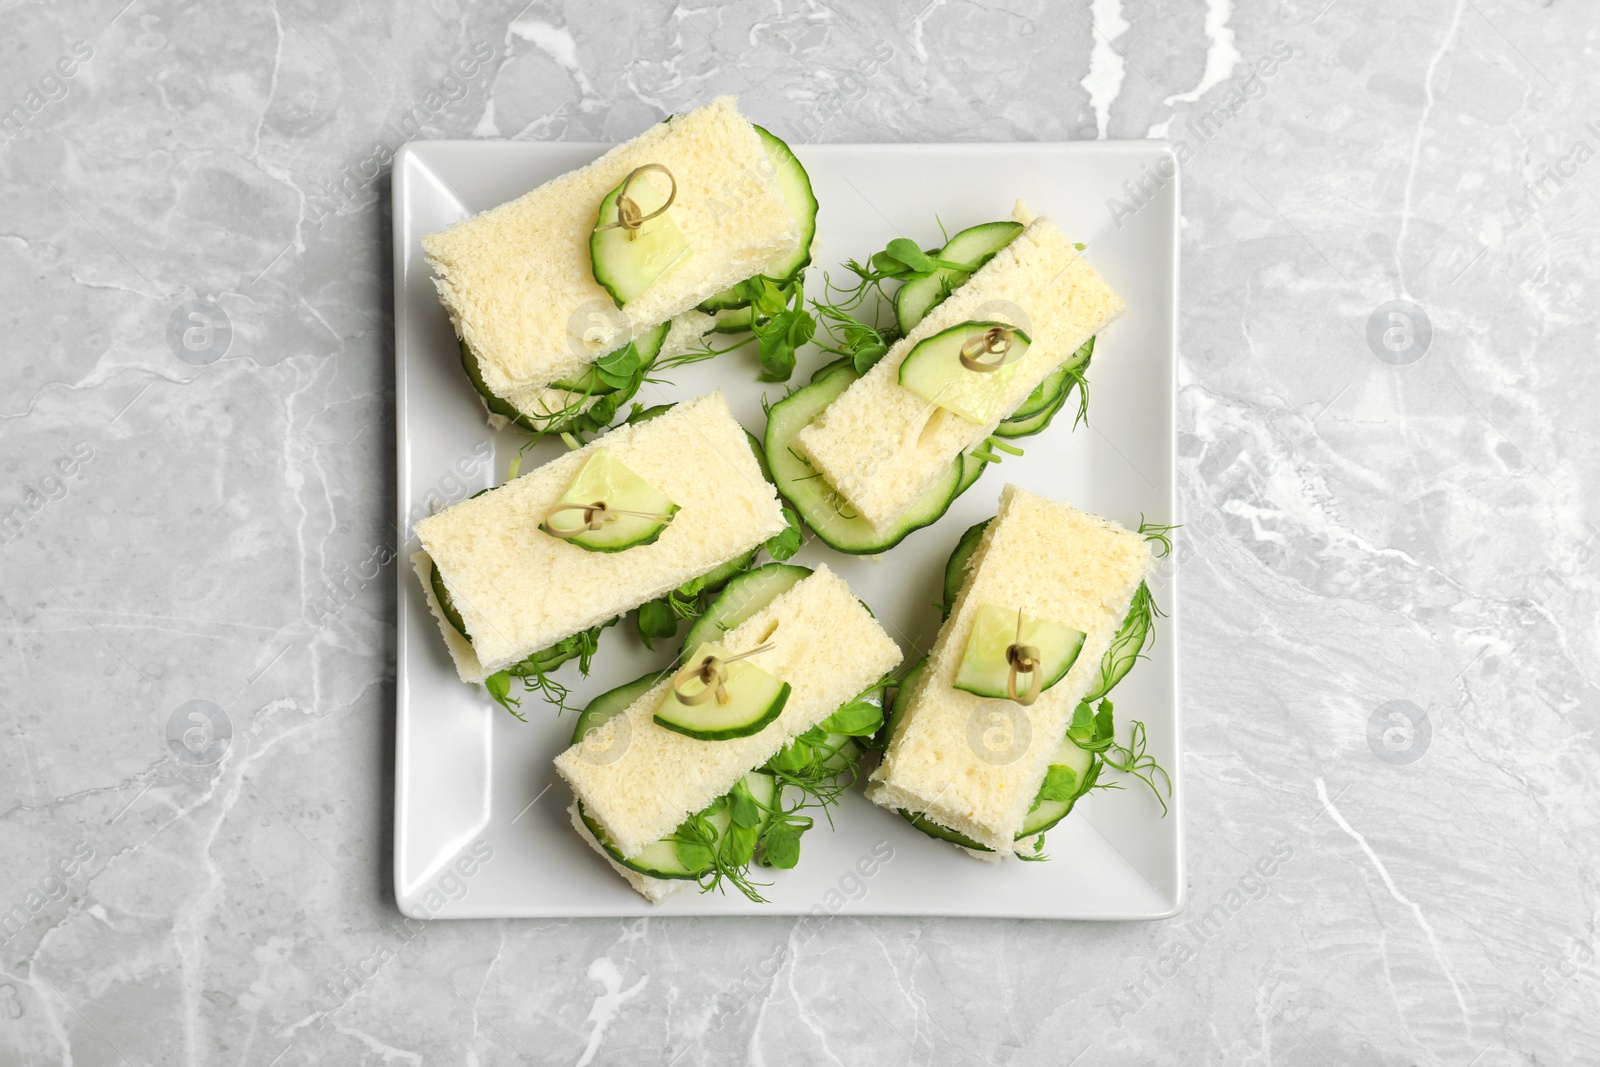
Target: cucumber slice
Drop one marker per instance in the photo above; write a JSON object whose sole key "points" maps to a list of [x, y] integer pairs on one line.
{"points": [[726, 300], [447, 606], [1047, 395], [985, 670], [846, 751], [1057, 385], [612, 702], [955, 571], [659, 859], [625, 262], [1045, 402], [971, 469], [941, 833], [585, 381], [742, 597], [802, 204], [975, 245], [735, 320], [843, 365], [934, 371], [606, 480], [754, 699], [798, 196], [1046, 813], [664, 859], [902, 698], [496, 405], [822, 508], [1128, 643], [760, 452], [1031, 425], [720, 576]]}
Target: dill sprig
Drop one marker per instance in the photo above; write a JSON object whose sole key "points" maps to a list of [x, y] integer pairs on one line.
{"points": [[1158, 532], [1136, 634]]}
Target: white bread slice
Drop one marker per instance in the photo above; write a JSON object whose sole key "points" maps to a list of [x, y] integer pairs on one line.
{"points": [[538, 401], [1053, 562], [655, 890], [881, 445], [520, 590], [517, 281], [827, 646]]}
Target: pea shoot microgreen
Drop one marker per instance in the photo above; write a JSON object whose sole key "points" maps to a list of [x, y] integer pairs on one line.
{"points": [[738, 829], [535, 671]]}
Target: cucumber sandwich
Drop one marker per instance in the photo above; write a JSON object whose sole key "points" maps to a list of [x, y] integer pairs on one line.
{"points": [[564, 297], [695, 773], [524, 576], [991, 740], [988, 352]]}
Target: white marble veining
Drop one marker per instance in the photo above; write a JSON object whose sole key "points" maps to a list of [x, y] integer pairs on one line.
{"points": [[1370, 537]]}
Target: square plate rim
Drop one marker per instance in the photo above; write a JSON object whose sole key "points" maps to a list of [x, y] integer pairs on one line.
{"points": [[1152, 149]]}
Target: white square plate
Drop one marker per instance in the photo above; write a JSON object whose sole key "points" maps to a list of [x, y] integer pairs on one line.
{"points": [[476, 833]]}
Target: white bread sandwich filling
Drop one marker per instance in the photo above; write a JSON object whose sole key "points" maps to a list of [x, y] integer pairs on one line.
{"points": [[825, 644], [520, 590], [1053, 562], [517, 280], [881, 445]]}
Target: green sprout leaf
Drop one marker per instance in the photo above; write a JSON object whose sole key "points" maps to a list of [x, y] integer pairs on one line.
{"points": [[906, 252], [656, 619], [780, 846], [499, 687], [1060, 783], [781, 546], [743, 807], [859, 718]]}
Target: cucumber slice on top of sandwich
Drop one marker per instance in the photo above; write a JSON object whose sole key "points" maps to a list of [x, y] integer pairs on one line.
{"points": [[609, 508], [635, 240], [995, 664], [965, 369], [719, 696]]}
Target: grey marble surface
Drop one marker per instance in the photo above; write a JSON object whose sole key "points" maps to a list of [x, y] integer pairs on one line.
{"points": [[1389, 560]]}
